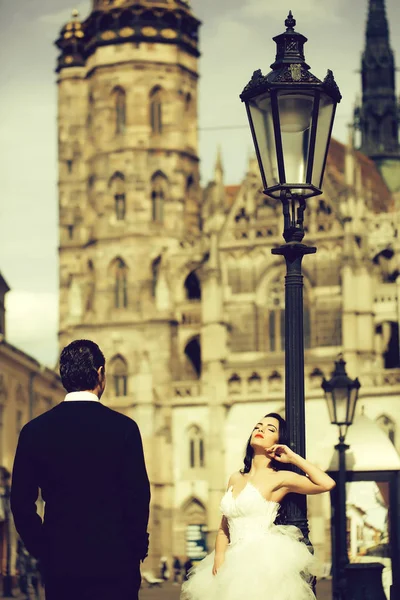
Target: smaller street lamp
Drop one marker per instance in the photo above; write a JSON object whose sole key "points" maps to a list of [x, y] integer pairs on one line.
{"points": [[341, 395]]}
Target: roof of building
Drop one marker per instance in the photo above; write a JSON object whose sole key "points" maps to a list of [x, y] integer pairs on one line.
{"points": [[29, 361], [4, 287], [231, 192], [381, 199], [370, 448]]}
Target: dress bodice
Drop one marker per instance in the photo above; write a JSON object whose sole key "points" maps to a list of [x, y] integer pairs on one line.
{"points": [[249, 514]]}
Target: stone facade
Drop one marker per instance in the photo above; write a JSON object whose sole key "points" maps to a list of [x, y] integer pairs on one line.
{"points": [[27, 389], [178, 285]]}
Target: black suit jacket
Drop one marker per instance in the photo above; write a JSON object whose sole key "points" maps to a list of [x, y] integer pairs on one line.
{"points": [[88, 462]]}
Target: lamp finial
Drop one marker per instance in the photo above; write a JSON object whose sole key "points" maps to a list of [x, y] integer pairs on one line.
{"points": [[290, 22]]}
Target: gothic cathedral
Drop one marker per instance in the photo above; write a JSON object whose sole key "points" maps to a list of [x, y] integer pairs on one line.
{"points": [[177, 284]]}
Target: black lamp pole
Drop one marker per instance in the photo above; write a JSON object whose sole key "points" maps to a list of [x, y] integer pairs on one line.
{"points": [[7, 578], [291, 114], [340, 582], [293, 252]]}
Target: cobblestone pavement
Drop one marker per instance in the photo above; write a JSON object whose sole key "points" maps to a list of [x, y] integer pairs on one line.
{"points": [[168, 591]]}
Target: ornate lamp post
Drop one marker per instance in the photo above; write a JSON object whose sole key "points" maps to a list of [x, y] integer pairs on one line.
{"points": [[291, 114], [7, 579], [341, 395]]}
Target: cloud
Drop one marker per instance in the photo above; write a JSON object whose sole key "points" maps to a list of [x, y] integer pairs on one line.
{"points": [[63, 16], [32, 323], [312, 9]]}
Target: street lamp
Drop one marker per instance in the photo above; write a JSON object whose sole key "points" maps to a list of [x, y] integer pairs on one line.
{"points": [[341, 395], [7, 579], [291, 114]]}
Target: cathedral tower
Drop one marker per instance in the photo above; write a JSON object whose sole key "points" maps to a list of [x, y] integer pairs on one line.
{"points": [[128, 158], [378, 116], [128, 191]]}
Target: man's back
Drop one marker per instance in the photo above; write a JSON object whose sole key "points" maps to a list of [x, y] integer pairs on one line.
{"points": [[88, 462]]}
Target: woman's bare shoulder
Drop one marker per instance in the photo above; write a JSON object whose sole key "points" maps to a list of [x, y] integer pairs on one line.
{"points": [[234, 478]]}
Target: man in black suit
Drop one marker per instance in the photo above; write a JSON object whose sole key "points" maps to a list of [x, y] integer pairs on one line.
{"points": [[88, 462]]}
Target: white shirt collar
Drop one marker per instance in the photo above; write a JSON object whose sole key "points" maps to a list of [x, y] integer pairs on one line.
{"points": [[81, 396]]}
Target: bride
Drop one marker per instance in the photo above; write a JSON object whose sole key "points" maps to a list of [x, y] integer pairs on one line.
{"points": [[253, 557]]}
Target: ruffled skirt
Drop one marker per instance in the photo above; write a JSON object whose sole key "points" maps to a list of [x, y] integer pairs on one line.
{"points": [[275, 565]]}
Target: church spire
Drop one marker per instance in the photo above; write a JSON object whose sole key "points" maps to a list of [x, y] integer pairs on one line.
{"points": [[378, 116], [377, 25]]}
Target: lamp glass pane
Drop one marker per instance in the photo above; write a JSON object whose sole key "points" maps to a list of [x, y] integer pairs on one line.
{"points": [[353, 394], [341, 399], [325, 116], [331, 407], [295, 113], [261, 115]]}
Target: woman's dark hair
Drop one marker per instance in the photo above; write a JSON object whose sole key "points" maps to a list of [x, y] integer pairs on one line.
{"points": [[283, 439], [79, 363]]}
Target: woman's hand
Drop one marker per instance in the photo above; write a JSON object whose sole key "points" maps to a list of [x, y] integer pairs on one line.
{"points": [[282, 453], [218, 562]]}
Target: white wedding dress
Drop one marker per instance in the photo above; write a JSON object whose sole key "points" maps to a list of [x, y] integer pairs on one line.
{"points": [[262, 562]]}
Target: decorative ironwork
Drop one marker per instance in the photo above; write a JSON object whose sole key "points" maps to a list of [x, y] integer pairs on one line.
{"points": [[290, 22], [331, 86], [127, 22]]}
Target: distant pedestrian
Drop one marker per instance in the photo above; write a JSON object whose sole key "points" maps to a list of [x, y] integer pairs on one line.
{"points": [[164, 572], [177, 570], [22, 568], [187, 566]]}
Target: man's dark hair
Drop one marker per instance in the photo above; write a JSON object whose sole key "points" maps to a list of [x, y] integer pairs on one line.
{"points": [[79, 363]]}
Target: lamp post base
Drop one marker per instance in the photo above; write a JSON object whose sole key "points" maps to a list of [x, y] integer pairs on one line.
{"points": [[364, 581], [7, 586]]}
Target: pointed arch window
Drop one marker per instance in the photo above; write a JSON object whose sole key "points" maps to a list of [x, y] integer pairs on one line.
{"points": [[159, 192], [89, 120], [196, 447], [119, 373], [156, 110], [120, 110], [90, 286], [117, 184], [187, 114], [120, 284]]}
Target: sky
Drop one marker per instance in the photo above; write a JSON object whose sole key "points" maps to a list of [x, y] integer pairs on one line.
{"points": [[235, 39]]}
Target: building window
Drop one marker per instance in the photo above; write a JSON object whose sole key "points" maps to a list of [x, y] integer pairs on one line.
{"points": [[193, 359], [196, 447], [19, 418], [117, 185], [156, 110], [120, 273], [120, 110], [192, 287], [119, 372], [89, 121], [155, 270], [159, 191]]}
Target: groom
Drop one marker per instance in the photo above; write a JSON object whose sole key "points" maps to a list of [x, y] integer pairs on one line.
{"points": [[88, 462]]}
